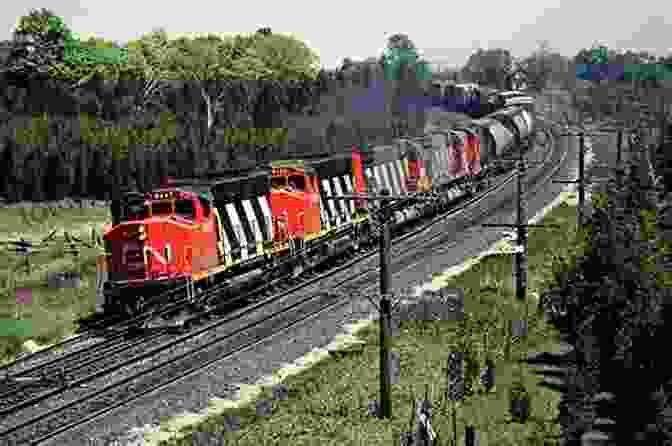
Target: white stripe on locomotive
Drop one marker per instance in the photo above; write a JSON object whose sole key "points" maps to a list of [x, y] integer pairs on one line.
{"points": [[228, 260], [266, 209], [444, 161], [370, 180], [380, 184], [332, 205], [402, 175], [436, 167], [350, 189], [393, 176], [342, 206], [386, 179], [256, 230], [324, 217], [237, 229]]}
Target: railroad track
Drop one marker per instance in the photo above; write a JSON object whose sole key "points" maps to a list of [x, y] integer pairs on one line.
{"points": [[80, 407]]}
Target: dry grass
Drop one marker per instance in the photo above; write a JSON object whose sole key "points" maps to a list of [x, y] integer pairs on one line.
{"points": [[53, 312]]}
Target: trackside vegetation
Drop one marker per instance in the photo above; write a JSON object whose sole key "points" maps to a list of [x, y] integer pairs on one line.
{"points": [[51, 313], [327, 403]]}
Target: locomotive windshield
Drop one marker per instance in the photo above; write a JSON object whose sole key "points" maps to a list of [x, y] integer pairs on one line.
{"points": [[131, 207], [185, 209], [180, 208], [162, 208], [297, 182], [136, 211]]}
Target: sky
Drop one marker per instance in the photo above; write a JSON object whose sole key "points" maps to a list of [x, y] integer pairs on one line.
{"points": [[445, 32]]}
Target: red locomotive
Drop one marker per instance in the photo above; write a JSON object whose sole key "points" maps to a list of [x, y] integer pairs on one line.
{"points": [[236, 228]]}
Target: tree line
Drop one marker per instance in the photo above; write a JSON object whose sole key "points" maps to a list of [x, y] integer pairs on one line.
{"points": [[206, 84], [498, 67]]}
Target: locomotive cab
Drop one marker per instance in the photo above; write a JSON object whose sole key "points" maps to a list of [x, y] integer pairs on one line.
{"points": [[294, 201], [165, 237]]}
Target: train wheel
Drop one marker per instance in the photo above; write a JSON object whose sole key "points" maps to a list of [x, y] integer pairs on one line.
{"points": [[355, 238]]}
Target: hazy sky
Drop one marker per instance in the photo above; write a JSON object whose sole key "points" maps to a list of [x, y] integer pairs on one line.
{"points": [[359, 29]]}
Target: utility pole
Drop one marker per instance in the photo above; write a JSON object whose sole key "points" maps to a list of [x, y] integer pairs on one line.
{"points": [[386, 306], [385, 310], [520, 251]]}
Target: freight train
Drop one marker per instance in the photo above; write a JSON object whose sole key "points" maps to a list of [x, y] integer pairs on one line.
{"points": [[276, 221], [476, 100]]}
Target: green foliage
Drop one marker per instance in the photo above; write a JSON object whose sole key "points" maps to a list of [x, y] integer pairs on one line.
{"points": [[39, 22], [489, 67], [286, 57], [613, 299], [77, 53], [400, 52]]}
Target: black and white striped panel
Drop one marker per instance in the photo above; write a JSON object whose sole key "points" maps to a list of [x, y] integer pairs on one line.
{"points": [[371, 185], [441, 164], [380, 181], [324, 213], [385, 172], [255, 226], [238, 232], [394, 177], [267, 217], [334, 214], [247, 224], [342, 206], [350, 190], [227, 245], [402, 171], [250, 226]]}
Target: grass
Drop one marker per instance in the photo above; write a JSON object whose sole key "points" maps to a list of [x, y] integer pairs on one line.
{"points": [[327, 403], [53, 312]]}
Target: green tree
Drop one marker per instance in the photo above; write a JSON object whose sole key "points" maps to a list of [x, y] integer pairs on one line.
{"points": [[38, 42], [206, 61], [401, 41], [287, 57], [490, 67], [148, 60]]}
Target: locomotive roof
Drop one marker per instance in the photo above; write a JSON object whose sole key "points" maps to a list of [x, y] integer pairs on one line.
{"points": [[297, 164], [337, 164], [384, 154], [481, 121], [228, 186], [288, 163], [509, 111]]}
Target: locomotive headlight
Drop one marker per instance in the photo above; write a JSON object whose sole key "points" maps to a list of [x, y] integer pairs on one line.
{"points": [[141, 232]]}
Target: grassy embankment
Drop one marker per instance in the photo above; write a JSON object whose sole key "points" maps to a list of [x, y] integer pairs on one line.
{"points": [[53, 312], [327, 403]]}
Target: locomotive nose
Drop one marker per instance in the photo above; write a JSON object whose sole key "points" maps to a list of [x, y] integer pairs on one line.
{"points": [[127, 242]]}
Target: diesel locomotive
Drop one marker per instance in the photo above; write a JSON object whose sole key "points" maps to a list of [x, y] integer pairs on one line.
{"points": [[278, 220]]}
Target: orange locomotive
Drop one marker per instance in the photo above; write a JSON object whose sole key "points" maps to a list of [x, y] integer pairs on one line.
{"points": [[202, 231]]}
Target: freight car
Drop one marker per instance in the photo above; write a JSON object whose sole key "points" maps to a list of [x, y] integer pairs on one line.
{"points": [[243, 228]]}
